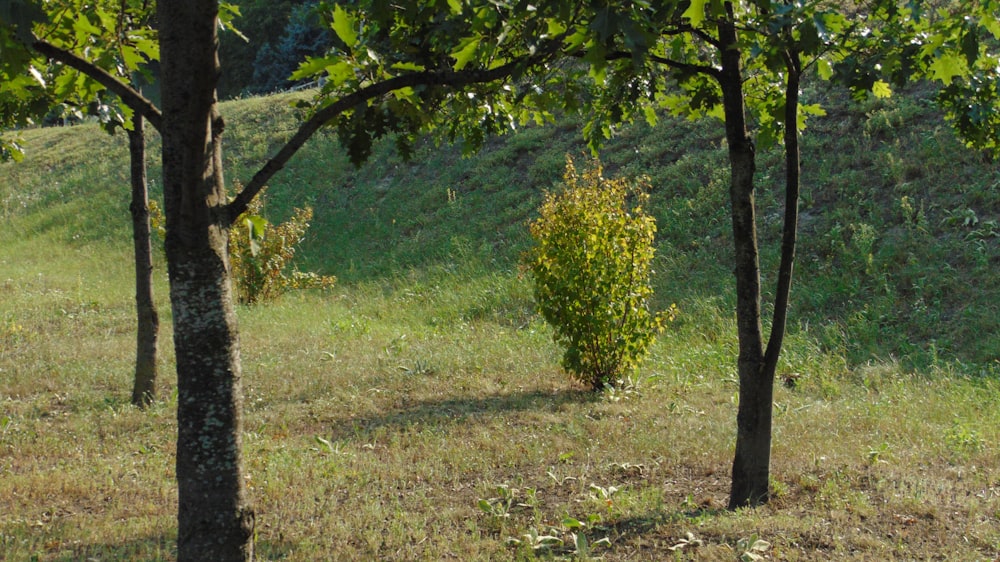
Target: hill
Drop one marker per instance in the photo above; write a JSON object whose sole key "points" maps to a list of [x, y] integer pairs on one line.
{"points": [[899, 243], [417, 412]]}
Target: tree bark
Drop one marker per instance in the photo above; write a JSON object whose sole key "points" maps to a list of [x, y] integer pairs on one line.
{"points": [[148, 322], [789, 230], [753, 421], [215, 521], [751, 468]]}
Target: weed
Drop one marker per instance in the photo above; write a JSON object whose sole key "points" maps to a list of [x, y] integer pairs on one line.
{"points": [[963, 439], [752, 548]]}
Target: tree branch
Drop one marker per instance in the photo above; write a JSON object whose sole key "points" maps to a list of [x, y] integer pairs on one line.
{"points": [[677, 65], [695, 68], [428, 78], [789, 230], [131, 97]]}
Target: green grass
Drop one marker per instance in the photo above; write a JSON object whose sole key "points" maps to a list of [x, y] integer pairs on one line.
{"points": [[417, 411]]}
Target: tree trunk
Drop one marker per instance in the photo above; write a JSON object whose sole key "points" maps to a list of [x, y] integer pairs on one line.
{"points": [[148, 326], [753, 441], [789, 231], [753, 421], [215, 521]]}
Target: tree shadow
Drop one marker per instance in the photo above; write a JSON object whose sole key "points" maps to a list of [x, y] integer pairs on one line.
{"points": [[161, 546], [460, 410], [153, 548], [629, 529]]}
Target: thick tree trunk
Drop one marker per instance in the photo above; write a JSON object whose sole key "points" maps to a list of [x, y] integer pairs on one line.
{"points": [[148, 326], [753, 421], [215, 521]]}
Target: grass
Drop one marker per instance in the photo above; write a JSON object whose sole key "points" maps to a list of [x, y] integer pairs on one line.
{"points": [[417, 412]]}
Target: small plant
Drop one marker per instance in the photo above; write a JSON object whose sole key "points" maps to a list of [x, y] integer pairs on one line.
{"points": [[963, 439], [260, 253], [536, 541], [499, 506], [753, 548], [690, 542], [591, 267]]}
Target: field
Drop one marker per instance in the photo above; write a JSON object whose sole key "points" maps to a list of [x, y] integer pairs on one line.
{"points": [[417, 410]]}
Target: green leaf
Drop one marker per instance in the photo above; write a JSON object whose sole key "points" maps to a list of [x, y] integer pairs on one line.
{"points": [[312, 66], [131, 57], [150, 48], [805, 111], [824, 69], [650, 113], [695, 12], [456, 6], [881, 89], [409, 66], [992, 24], [255, 232], [555, 27], [345, 26], [227, 13], [84, 28], [947, 67], [465, 52], [339, 73]]}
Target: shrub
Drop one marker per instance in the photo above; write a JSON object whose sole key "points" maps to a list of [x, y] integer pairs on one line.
{"points": [[260, 254], [591, 269]]}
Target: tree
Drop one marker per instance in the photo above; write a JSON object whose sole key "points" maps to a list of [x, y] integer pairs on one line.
{"points": [[147, 318], [738, 62], [699, 45], [123, 44], [258, 21], [275, 61]]}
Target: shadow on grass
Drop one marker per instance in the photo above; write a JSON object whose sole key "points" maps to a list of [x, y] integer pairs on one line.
{"points": [[151, 547], [668, 523], [154, 548], [459, 410]]}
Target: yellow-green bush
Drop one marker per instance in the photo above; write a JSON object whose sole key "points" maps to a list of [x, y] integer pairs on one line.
{"points": [[591, 268], [260, 254]]}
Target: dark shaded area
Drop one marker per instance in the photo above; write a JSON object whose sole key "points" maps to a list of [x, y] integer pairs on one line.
{"points": [[459, 410], [149, 548], [280, 34]]}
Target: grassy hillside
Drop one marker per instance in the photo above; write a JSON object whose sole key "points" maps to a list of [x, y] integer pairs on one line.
{"points": [[899, 242], [417, 411]]}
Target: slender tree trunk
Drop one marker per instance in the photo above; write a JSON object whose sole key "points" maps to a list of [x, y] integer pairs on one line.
{"points": [[148, 326], [789, 231], [215, 521], [753, 421], [753, 442]]}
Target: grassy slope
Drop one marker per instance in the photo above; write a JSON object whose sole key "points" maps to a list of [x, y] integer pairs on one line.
{"points": [[379, 415]]}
